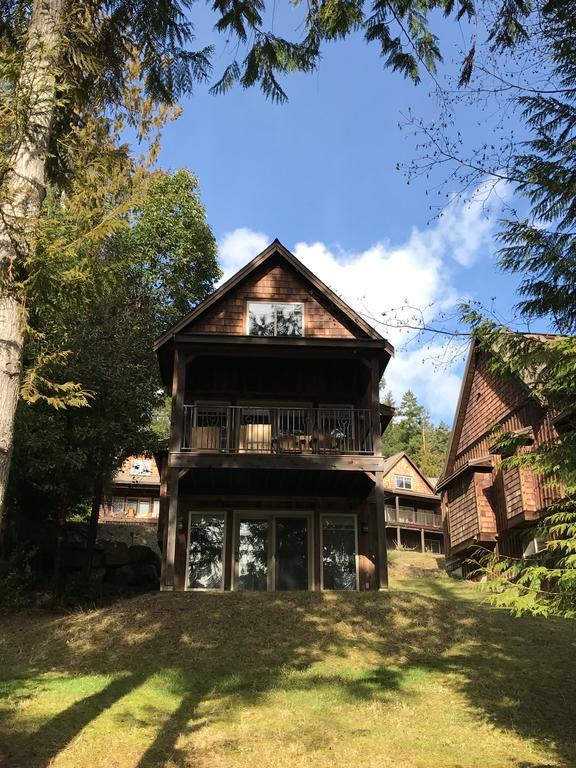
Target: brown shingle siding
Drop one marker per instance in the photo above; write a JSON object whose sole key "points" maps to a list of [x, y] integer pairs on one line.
{"points": [[274, 283]]}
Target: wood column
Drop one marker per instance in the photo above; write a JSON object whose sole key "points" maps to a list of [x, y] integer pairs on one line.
{"points": [[422, 542], [170, 539], [176, 428], [381, 531], [379, 479]]}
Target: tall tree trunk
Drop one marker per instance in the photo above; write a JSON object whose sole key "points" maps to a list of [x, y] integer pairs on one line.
{"points": [[21, 195], [93, 527]]}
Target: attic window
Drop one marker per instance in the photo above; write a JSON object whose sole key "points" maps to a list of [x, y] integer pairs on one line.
{"points": [[275, 319], [141, 467], [403, 481]]}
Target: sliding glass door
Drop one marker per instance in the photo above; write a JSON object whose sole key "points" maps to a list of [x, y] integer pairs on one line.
{"points": [[291, 553], [272, 552], [205, 552], [253, 553], [339, 552]]}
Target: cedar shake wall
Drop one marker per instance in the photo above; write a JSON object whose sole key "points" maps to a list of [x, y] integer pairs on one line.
{"points": [[403, 467], [490, 400], [274, 283], [463, 516], [485, 504]]}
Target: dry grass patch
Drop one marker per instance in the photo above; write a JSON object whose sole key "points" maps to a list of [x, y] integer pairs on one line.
{"points": [[404, 679]]}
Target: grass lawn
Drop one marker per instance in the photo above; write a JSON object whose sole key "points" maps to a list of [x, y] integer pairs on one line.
{"points": [[424, 676]]}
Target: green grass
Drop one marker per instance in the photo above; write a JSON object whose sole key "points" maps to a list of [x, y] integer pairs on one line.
{"points": [[425, 676]]}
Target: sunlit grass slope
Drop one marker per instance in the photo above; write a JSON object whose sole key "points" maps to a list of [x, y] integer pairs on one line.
{"points": [[426, 678]]}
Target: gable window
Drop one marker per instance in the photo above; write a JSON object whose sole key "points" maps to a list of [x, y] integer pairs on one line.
{"points": [[141, 467], [275, 319], [403, 481]]}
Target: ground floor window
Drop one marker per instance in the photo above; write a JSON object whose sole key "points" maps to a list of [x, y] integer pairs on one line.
{"points": [[273, 551], [339, 550], [135, 507], [205, 552]]}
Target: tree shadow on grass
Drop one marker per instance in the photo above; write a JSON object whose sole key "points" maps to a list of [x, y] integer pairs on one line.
{"points": [[243, 646]]}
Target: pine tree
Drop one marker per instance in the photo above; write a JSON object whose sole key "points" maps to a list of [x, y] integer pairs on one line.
{"points": [[412, 432]]}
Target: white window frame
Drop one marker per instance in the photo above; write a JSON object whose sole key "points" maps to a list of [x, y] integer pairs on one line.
{"points": [[357, 556], [147, 472], [275, 304], [271, 518], [194, 513], [403, 487]]}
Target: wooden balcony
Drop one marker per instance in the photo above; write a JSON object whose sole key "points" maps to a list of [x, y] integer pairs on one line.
{"points": [[224, 429], [413, 516]]}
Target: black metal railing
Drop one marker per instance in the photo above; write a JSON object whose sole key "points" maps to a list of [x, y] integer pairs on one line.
{"points": [[413, 516], [262, 429]]}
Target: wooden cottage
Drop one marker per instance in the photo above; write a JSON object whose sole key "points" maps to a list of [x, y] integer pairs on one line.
{"points": [[483, 503], [134, 495], [274, 475], [412, 507]]}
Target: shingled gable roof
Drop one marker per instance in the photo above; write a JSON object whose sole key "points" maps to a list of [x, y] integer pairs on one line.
{"points": [[275, 248], [463, 403], [391, 462]]}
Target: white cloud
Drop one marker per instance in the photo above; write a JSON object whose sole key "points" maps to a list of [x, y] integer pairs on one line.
{"points": [[435, 382], [383, 278], [239, 247]]}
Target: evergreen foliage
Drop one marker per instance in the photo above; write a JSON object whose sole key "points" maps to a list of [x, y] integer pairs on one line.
{"points": [[411, 431], [541, 248]]}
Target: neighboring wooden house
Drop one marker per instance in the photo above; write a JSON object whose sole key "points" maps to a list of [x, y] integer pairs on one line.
{"points": [[412, 509], [483, 504], [134, 495], [274, 475]]}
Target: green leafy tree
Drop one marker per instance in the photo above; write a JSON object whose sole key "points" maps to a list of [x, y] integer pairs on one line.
{"points": [[163, 261]]}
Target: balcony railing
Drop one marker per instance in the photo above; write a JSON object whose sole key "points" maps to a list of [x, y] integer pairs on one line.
{"points": [[248, 429], [413, 516]]}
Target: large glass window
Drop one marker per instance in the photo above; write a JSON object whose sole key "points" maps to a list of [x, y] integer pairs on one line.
{"points": [[275, 319], [205, 552], [253, 555], [339, 552]]}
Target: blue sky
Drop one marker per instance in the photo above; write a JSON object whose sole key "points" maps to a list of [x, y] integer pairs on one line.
{"points": [[320, 173]]}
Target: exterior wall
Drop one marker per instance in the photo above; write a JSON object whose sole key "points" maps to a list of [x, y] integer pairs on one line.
{"points": [[274, 283], [488, 505], [461, 507], [490, 400], [404, 467]]}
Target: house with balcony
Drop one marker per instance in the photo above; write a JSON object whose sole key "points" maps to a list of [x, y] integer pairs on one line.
{"points": [[412, 507], [485, 503], [274, 478], [134, 494]]}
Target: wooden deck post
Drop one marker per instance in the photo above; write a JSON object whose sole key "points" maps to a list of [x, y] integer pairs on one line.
{"points": [[170, 539], [176, 427], [422, 542], [398, 540], [381, 531]]}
